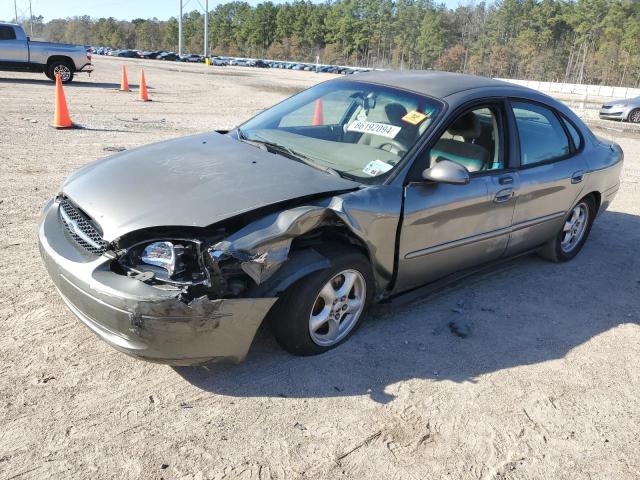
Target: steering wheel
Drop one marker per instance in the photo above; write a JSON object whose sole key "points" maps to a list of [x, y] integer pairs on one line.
{"points": [[395, 147]]}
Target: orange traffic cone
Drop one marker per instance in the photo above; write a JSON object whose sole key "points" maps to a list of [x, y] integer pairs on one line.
{"points": [[318, 114], [144, 96], [61, 117], [124, 83]]}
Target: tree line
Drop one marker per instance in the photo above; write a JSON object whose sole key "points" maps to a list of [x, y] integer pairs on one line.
{"points": [[576, 41]]}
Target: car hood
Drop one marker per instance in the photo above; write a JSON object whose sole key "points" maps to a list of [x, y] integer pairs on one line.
{"points": [[191, 181]]}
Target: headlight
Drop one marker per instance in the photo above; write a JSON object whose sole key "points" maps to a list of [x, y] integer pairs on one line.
{"points": [[160, 254], [619, 105], [171, 261]]}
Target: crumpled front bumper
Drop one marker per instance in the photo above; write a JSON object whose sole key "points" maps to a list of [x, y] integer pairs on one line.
{"points": [[140, 319]]}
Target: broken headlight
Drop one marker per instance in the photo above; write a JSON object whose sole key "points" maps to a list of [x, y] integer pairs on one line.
{"points": [[171, 261], [160, 254]]}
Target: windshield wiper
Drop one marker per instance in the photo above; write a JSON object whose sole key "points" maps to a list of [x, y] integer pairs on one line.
{"points": [[289, 153]]}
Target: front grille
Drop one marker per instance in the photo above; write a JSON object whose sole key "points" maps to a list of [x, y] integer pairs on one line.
{"points": [[80, 229]]}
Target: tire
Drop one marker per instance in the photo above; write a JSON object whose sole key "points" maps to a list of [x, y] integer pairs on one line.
{"points": [[568, 243], [64, 68], [291, 318], [634, 116]]}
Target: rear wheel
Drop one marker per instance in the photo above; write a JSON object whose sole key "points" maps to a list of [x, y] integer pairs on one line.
{"points": [[320, 311], [63, 68], [574, 233], [634, 116]]}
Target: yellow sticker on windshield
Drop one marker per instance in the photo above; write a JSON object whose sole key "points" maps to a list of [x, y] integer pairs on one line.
{"points": [[414, 117]]}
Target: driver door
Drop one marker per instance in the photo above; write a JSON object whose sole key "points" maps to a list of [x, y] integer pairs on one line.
{"points": [[449, 227]]}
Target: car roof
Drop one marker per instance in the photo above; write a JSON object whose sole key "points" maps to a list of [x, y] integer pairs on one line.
{"points": [[433, 83]]}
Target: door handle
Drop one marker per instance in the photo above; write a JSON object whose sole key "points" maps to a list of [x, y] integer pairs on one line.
{"points": [[503, 195], [505, 180], [577, 176]]}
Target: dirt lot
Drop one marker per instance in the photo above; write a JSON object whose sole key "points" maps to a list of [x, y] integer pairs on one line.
{"points": [[546, 387]]}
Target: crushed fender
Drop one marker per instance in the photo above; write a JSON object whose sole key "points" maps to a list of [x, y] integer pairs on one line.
{"points": [[262, 247]]}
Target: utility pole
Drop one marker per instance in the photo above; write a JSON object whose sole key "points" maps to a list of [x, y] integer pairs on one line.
{"points": [[15, 9], [180, 29], [206, 28], [30, 18]]}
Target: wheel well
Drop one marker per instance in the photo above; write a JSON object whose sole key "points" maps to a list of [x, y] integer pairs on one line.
{"points": [[60, 58], [596, 198], [322, 236]]}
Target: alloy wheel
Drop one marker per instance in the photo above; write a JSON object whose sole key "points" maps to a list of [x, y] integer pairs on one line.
{"points": [[635, 116], [337, 308], [64, 71], [575, 227]]}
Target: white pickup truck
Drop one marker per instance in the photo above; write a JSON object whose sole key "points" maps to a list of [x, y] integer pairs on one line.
{"points": [[19, 53]]}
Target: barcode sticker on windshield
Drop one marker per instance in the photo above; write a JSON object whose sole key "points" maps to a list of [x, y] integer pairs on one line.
{"points": [[381, 129], [376, 167]]}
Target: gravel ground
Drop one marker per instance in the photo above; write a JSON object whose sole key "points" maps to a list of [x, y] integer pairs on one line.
{"points": [[546, 386]]}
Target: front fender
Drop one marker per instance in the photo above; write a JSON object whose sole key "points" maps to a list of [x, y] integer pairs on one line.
{"points": [[299, 264]]}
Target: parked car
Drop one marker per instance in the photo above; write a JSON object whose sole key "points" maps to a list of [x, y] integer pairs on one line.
{"points": [[627, 110], [168, 56], [19, 53], [260, 64], [128, 54], [219, 62], [150, 54], [412, 176], [192, 58]]}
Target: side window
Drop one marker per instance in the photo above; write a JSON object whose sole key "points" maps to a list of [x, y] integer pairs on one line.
{"points": [[473, 141], [7, 33], [542, 137], [577, 140]]}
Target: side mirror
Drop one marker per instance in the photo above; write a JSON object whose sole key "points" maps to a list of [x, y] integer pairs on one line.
{"points": [[446, 171]]}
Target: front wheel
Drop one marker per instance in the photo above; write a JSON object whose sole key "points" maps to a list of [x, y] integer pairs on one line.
{"points": [[634, 116], [574, 233], [320, 311], [63, 68]]}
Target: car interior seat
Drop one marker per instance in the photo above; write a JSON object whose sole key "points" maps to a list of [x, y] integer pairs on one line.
{"points": [[458, 144]]}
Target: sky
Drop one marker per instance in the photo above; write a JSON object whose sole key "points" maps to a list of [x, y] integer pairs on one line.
{"points": [[120, 9]]}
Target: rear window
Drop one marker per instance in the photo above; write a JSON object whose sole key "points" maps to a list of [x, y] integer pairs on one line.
{"points": [[7, 33]]}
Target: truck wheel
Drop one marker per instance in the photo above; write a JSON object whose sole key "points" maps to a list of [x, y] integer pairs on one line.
{"points": [[63, 68], [320, 311]]}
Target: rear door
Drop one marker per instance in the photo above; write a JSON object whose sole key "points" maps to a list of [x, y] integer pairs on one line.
{"points": [[447, 228], [551, 172], [13, 47]]}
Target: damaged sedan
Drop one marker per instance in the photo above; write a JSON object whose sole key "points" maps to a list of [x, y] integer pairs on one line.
{"points": [[346, 194]]}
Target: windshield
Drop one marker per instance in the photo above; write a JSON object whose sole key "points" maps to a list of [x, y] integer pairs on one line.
{"points": [[355, 129]]}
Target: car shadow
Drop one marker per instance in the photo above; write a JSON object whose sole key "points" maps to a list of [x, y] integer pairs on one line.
{"points": [[523, 312], [75, 83]]}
